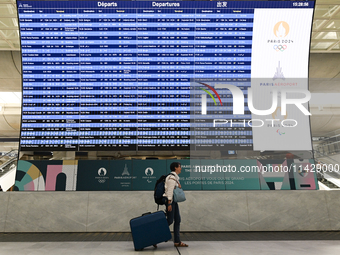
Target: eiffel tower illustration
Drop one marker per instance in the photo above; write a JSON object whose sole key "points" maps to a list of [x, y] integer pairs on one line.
{"points": [[279, 73], [125, 172]]}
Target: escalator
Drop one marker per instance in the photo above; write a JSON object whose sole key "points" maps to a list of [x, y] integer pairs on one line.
{"points": [[8, 167]]}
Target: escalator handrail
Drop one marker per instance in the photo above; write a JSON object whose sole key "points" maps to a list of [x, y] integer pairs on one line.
{"points": [[8, 153]]}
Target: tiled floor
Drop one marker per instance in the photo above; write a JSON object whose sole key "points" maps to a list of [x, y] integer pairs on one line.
{"points": [[240, 243], [195, 248], [185, 236]]}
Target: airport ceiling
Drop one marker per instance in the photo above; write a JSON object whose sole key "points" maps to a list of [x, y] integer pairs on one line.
{"points": [[325, 35]]}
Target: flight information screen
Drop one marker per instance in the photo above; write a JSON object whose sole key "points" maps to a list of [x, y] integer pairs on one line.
{"points": [[123, 75]]}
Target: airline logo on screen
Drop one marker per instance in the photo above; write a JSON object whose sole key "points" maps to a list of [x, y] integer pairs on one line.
{"points": [[280, 30]]}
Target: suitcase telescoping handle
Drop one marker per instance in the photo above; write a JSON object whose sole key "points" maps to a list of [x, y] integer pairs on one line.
{"points": [[146, 213]]}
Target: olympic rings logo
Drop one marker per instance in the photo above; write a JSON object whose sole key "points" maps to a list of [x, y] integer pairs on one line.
{"points": [[280, 47]]}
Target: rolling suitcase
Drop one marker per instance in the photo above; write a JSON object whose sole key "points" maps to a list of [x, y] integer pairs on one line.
{"points": [[149, 229]]}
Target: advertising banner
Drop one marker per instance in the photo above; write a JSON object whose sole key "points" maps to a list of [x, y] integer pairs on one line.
{"points": [[147, 173], [121, 174], [189, 179], [244, 179], [46, 175], [93, 175]]}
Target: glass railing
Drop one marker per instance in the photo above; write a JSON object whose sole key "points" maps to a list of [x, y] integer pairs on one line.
{"points": [[328, 169], [8, 161], [329, 144]]}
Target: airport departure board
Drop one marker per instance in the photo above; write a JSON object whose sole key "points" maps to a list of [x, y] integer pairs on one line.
{"points": [[119, 75]]}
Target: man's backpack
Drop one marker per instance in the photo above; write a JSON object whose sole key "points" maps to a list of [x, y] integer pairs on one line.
{"points": [[160, 190]]}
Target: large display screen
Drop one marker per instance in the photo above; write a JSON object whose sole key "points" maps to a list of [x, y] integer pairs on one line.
{"points": [[119, 75]]}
